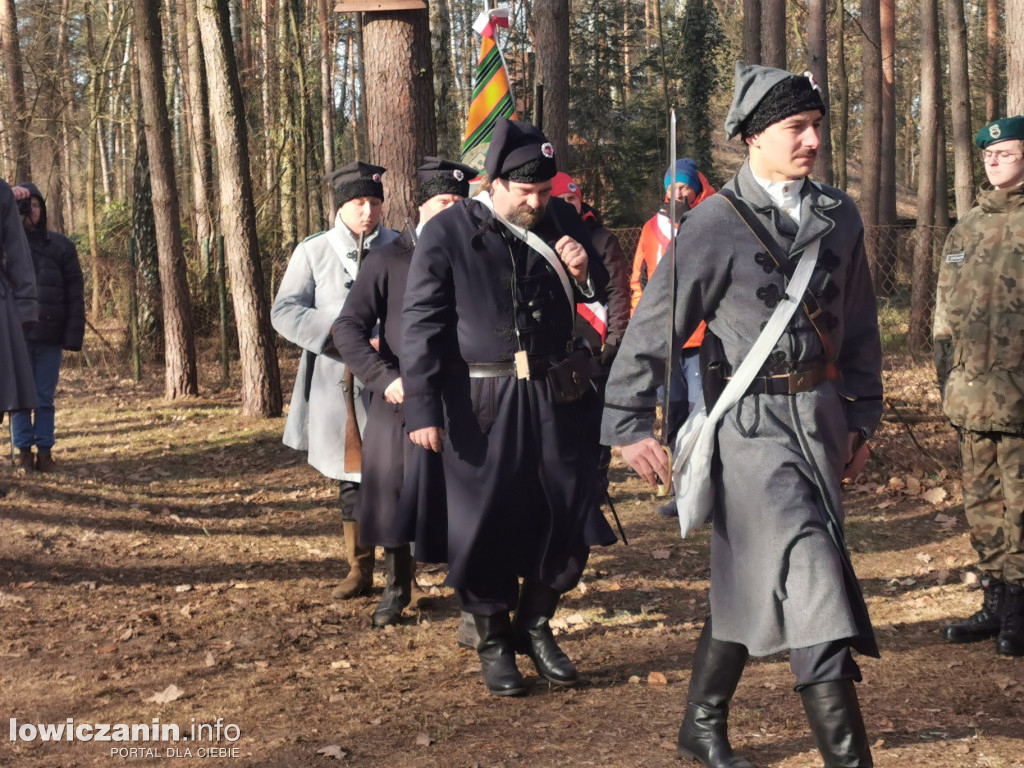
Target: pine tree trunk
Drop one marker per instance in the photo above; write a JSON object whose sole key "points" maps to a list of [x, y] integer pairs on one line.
{"points": [[449, 139], [842, 98], [324, 21], [991, 59], [817, 52], [751, 31], [887, 161], [17, 120], [179, 344], [921, 281], [773, 41], [1014, 57], [400, 102], [261, 379], [197, 121], [871, 136], [960, 106], [550, 23]]}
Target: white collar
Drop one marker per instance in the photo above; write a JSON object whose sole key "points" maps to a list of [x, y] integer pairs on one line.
{"points": [[785, 194]]}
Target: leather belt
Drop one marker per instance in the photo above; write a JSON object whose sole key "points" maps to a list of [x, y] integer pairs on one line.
{"points": [[538, 367], [790, 383]]}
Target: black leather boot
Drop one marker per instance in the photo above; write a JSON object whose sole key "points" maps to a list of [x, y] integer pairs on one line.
{"points": [[1011, 634], [398, 590], [534, 637], [703, 736], [497, 656], [985, 623], [834, 714]]}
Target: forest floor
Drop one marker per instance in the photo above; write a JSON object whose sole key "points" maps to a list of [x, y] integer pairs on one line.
{"points": [[179, 564]]}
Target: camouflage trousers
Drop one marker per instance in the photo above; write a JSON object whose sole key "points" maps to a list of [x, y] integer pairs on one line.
{"points": [[993, 477]]}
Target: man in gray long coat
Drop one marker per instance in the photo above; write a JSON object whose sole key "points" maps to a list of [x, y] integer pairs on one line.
{"points": [[313, 290], [780, 575]]}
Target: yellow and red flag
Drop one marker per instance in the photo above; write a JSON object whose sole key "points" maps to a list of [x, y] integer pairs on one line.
{"points": [[492, 94]]}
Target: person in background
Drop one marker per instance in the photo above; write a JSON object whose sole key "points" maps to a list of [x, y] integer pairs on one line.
{"points": [[60, 326], [17, 307], [978, 337], [320, 274], [375, 303], [690, 188], [601, 324], [492, 382]]}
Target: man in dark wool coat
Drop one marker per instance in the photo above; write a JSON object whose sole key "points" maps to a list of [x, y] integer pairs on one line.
{"points": [[781, 578], [492, 382], [375, 302]]}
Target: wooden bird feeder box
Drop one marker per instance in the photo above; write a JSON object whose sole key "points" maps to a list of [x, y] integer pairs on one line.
{"points": [[350, 6]]}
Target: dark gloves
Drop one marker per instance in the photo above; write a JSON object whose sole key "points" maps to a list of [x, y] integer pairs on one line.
{"points": [[608, 353]]}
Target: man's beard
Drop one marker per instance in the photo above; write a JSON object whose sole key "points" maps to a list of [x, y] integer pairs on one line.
{"points": [[526, 217]]}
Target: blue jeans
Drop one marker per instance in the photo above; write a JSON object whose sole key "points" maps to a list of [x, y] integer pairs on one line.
{"points": [[36, 427]]}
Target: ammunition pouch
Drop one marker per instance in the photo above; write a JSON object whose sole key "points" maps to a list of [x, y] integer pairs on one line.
{"points": [[570, 378], [714, 369]]}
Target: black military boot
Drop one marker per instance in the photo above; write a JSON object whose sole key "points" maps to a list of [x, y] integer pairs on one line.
{"points": [[703, 736], [985, 623], [1011, 634], [398, 564], [834, 714], [534, 637], [497, 656]]}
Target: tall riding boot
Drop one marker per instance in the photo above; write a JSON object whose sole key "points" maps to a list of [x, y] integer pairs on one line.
{"points": [[985, 623], [834, 714], [360, 561], [1011, 634], [534, 637], [497, 657], [703, 736], [397, 593]]}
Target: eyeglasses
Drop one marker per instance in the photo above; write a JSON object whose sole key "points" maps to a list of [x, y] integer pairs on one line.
{"points": [[1000, 156]]}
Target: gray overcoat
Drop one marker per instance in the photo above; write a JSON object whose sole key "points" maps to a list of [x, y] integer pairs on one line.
{"points": [[17, 306], [320, 272], [778, 579]]}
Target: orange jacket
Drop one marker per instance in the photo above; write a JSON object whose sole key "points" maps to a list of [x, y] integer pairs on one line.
{"points": [[654, 240]]}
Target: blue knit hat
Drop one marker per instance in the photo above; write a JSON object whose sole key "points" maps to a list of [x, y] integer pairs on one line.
{"points": [[685, 173]]}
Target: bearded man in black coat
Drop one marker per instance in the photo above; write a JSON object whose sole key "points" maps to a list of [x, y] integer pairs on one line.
{"points": [[493, 383]]}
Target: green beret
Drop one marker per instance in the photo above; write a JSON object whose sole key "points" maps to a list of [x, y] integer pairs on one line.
{"points": [[1001, 130]]}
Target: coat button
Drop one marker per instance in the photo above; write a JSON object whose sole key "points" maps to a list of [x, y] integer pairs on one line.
{"points": [[348, 284]]}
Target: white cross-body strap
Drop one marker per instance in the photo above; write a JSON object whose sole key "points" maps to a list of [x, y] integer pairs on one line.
{"points": [[537, 244], [769, 336]]}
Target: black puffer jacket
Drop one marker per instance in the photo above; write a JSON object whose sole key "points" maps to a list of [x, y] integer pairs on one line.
{"points": [[58, 284]]}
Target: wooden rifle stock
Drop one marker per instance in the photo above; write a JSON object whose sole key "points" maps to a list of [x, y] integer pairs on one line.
{"points": [[353, 441]]}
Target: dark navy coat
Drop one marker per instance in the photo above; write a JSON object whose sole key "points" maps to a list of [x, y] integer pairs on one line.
{"points": [[520, 468]]}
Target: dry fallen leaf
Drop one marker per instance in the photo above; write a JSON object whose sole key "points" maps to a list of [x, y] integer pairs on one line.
{"points": [[661, 554], [424, 740], [936, 496], [167, 695], [656, 678], [210, 660], [334, 751]]}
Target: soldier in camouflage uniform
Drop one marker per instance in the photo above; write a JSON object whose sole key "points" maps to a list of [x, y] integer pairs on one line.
{"points": [[979, 358]]}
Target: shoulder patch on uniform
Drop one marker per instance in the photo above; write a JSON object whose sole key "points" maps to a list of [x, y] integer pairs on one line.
{"points": [[955, 258]]}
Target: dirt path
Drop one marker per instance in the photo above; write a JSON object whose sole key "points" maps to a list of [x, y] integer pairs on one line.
{"points": [[185, 546]]}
